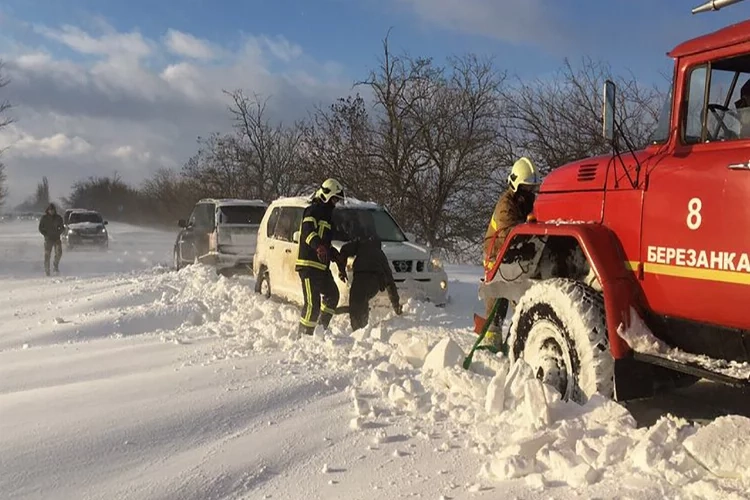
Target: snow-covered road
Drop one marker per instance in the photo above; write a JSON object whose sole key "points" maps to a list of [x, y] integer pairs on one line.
{"points": [[123, 379]]}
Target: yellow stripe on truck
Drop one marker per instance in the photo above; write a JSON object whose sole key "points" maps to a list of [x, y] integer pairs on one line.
{"points": [[736, 277]]}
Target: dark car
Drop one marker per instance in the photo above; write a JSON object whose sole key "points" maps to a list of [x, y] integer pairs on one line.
{"points": [[85, 228], [221, 233]]}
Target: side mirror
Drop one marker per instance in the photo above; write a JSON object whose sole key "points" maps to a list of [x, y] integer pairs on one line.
{"points": [[608, 111], [295, 236], [182, 223], [411, 237]]}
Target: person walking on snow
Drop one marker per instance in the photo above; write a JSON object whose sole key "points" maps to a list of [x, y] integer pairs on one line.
{"points": [[371, 274], [513, 207], [314, 255], [51, 227]]}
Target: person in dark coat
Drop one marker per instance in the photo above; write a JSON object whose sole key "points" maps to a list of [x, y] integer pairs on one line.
{"points": [[314, 255], [51, 226], [371, 274]]}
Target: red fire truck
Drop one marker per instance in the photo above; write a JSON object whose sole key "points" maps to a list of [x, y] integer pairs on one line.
{"points": [[635, 266]]}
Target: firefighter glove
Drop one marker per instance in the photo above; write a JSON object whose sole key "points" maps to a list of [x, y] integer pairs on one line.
{"points": [[322, 252]]}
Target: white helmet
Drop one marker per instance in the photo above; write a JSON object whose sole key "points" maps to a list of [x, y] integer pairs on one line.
{"points": [[331, 188], [523, 172]]}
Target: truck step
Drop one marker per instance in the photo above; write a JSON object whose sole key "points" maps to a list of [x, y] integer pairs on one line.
{"points": [[716, 370]]}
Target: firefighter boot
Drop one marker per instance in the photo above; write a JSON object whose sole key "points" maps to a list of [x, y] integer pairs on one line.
{"points": [[494, 336], [303, 330]]}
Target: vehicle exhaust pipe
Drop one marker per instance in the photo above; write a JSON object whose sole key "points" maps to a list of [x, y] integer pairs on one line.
{"points": [[712, 5]]}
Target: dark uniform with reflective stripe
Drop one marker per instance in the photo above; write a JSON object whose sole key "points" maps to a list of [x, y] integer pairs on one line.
{"points": [[372, 274], [317, 281]]}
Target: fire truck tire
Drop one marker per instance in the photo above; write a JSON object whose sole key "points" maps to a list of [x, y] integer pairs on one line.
{"points": [[559, 328]]}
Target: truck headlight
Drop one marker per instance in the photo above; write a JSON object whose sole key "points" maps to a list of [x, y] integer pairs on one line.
{"points": [[443, 284]]}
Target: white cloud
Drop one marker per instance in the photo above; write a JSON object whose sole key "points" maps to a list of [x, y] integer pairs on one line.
{"points": [[130, 44], [129, 108], [186, 45], [283, 48], [23, 145]]}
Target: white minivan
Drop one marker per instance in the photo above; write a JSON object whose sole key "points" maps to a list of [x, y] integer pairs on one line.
{"points": [[417, 274]]}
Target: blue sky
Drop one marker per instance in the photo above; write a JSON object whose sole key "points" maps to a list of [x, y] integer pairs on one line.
{"points": [[632, 34], [104, 85]]}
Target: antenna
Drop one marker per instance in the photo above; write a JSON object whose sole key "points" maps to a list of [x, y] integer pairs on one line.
{"points": [[713, 5]]}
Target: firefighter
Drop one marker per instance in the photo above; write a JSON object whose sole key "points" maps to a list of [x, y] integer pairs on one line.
{"points": [[513, 207], [314, 255], [51, 227], [371, 274]]}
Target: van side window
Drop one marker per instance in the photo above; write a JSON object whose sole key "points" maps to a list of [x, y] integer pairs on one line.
{"points": [[285, 226], [297, 222], [204, 214], [272, 220]]}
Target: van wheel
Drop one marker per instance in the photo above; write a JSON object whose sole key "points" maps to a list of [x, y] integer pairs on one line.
{"points": [[559, 328], [263, 283]]}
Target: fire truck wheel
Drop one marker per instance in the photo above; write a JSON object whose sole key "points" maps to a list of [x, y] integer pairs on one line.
{"points": [[559, 328]]}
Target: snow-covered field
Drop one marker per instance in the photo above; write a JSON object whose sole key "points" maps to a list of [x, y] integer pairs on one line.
{"points": [[124, 379]]}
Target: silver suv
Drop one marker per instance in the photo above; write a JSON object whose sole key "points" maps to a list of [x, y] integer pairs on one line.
{"points": [[220, 232]]}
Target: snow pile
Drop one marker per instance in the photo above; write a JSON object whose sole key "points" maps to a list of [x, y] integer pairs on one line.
{"points": [[409, 369], [640, 338]]}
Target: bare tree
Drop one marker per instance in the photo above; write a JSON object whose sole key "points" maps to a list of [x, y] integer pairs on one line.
{"points": [[433, 144], [170, 196], [41, 197], [459, 146], [337, 143], [558, 120], [398, 85], [3, 186], [5, 120], [269, 152], [218, 168]]}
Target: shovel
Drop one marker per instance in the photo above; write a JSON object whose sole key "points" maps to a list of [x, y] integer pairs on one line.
{"points": [[500, 304]]}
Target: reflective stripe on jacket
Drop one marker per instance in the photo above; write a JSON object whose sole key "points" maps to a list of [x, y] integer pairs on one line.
{"points": [[315, 230]]}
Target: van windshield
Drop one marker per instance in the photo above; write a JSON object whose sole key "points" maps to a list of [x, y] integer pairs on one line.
{"points": [[350, 223], [241, 214]]}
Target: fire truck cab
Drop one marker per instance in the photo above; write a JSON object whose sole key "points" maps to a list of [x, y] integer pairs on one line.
{"points": [[635, 268]]}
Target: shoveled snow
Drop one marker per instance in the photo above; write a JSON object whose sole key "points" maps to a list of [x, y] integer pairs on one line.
{"points": [[732, 457], [641, 339], [163, 384]]}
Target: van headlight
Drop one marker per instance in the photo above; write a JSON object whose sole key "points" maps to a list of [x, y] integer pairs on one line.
{"points": [[435, 264]]}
